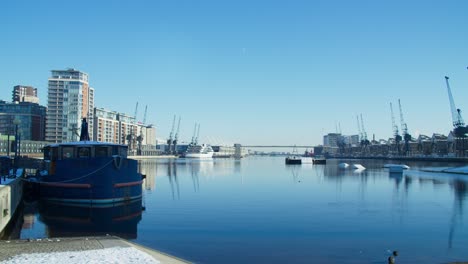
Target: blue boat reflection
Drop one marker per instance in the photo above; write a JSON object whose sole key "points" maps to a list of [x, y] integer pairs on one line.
{"points": [[120, 219]]}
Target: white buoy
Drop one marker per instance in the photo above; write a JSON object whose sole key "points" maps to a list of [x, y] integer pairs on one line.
{"points": [[343, 165], [358, 167]]}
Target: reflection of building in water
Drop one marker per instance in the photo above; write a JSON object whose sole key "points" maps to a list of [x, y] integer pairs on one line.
{"points": [[72, 221], [149, 169]]}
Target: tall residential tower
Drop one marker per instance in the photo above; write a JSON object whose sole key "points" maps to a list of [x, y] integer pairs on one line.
{"points": [[69, 100]]}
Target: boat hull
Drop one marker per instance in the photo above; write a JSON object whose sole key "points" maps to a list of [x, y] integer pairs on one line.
{"points": [[319, 161], [92, 181], [289, 160], [199, 155]]}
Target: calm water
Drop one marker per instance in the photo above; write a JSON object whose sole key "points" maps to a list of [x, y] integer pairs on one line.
{"points": [[259, 210]]}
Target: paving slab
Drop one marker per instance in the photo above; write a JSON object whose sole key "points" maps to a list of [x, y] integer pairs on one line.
{"points": [[12, 248]]}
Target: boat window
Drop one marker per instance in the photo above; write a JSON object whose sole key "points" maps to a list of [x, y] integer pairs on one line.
{"points": [[123, 151], [67, 152], [47, 153], [115, 150], [54, 154], [102, 151], [84, 152]]}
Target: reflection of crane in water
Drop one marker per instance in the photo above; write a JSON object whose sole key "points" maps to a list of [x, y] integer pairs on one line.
{"points": [[172, 175], [295, 173], [194, 174], [399, 199], [460, 194]]}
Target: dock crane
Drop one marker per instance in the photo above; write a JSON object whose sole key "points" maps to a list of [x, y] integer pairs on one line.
{"points": [[396, 134], [169, 140], [140, 137], [459, 128], [404, 131], [198, 134], [359, 128], [176, 137], [194, 134], [144, 116], [136, 111], [340, 140], [364, 141]]}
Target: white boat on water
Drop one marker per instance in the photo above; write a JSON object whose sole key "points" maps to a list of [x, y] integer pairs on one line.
{"points": [[199, 151]]}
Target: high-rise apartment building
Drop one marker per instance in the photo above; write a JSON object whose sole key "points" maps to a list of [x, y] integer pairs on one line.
{"points": [[69, 100], [22, 93]]}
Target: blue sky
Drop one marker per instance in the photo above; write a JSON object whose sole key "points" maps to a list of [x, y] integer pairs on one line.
{"points": [[254, 72]]}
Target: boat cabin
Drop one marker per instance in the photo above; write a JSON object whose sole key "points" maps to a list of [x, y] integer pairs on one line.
{"points": [[83, 150]]}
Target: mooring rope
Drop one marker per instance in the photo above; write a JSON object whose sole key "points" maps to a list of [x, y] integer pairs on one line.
{"points": [[81, 177]]}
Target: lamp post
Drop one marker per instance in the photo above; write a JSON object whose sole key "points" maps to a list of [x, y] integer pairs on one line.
{"points": [[16, 122], [8, 139]]}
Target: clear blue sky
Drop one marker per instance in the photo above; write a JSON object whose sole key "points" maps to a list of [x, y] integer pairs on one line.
{"points": [[254, 72]]}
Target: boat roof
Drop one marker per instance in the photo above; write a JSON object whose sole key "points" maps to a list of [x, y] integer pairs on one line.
{"points": [[85, 143]]}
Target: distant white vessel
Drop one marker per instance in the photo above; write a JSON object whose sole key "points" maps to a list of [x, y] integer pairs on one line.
{"points": [[396, 167], [199, 151]]}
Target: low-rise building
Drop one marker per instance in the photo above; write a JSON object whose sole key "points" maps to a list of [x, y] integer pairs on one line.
{"points": [[25, 118], [119, 128]]}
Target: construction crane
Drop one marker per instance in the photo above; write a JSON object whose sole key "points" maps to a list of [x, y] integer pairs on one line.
{"points": [[458, 124], [169, 141], [404, 131], [176, 137], [396, 134]]}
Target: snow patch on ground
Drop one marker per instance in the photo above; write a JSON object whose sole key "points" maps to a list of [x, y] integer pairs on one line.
{"points": [[107, 255]]}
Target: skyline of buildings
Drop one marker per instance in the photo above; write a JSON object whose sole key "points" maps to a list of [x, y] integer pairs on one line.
{"points": [[70, 98]]}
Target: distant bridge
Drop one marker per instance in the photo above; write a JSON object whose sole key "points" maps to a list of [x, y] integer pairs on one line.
{"points": [[275, 146]]}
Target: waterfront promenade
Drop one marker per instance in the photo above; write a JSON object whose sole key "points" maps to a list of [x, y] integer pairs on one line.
{"points": [[109, 249]]}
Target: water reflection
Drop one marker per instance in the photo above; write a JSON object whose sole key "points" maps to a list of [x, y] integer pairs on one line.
{"points": [[247, 210], [72, 221], [149, 169], [172, 176], [193, 169], [460, 194], [294, 169]]}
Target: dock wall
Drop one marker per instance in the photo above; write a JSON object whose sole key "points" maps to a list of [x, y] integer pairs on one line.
{"points": [[11, 194]]}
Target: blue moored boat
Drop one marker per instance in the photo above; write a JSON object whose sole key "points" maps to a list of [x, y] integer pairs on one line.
{"points": [[89, 172]]}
